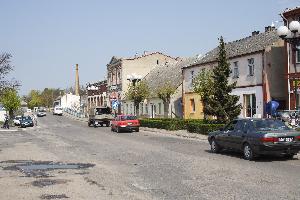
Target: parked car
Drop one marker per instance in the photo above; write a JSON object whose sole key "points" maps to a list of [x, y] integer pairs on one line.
{"points": [[125, 123], [41, 113], [29, 110], [26, 121], [57, 111], [256, 137], [16, 120]]}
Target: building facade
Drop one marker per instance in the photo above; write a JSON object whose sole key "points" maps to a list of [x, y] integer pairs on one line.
{"points": [[169, 74], [96, 94], [121, 71], [292, 64], [257, 66]]}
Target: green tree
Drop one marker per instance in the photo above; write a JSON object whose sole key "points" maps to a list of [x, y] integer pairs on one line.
{"points": [[164, 93], [202, 85], [222, 104], [11, 101], [34, 99], [137, 92]]}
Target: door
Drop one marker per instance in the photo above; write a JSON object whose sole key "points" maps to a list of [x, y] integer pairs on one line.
{"points": [[238, 135], [249, 105], [225, 136]]}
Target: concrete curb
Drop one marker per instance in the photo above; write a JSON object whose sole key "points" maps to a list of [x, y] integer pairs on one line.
{"points": [[75, 118], [179, 133]]}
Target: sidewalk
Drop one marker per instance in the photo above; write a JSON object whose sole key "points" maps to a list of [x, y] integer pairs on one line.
{"points": [[11, 129], [179, 133], [75, 118]]}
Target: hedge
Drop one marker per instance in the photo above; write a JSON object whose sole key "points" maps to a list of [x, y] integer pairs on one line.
{"points": [[193, 126]]}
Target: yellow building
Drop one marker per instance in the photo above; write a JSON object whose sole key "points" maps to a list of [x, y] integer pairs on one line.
{"points": [[193, 107]]}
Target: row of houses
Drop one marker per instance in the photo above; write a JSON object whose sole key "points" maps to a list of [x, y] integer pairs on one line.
{"points": [[261, 64]]}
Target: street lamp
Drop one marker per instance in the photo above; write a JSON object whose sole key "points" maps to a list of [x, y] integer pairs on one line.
{"points": [[291, 35]]}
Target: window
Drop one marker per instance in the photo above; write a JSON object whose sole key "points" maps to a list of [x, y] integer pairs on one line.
{"points": [[235, 70], [249, 105], [159, 108], [230, 126], [298, 54], [193, 106], [251, 66], [192, 76], [157, 62], [126, 108]]}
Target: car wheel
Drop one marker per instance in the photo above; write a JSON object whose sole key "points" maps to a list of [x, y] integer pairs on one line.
{"points": [[248, 152], [289, 156], [107, 124], [214, 147]]}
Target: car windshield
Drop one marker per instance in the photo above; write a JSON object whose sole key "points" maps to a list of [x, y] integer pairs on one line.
{"points": [[100, 111], [58, 108], [26, 118], [269, 125], [128, 117]]}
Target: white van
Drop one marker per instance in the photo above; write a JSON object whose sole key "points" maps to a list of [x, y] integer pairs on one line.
{"points": [[57, 111]]}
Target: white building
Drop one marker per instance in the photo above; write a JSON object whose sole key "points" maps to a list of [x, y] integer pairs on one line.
{"points": [[257, 66], [70, 101]]}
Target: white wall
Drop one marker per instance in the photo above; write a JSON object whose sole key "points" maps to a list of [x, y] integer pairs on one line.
{"points": [[258, 91], [70, 101]]}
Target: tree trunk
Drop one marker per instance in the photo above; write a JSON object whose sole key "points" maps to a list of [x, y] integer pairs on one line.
{"points": [[137, 109], [166, 109]]}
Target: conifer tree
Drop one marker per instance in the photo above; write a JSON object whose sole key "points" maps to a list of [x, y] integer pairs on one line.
{"points": [[222, 104]]}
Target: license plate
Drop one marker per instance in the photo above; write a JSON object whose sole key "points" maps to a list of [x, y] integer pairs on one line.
{"points": [[129, 123], [96, 122], [285, 139]]}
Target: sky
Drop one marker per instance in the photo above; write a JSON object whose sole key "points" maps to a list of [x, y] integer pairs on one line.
{"points": [[48, 37]]}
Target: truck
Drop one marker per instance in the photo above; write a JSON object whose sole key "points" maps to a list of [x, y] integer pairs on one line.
{"points": [[98, 116]]}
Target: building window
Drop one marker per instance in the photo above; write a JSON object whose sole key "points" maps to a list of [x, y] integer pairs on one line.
{"points": [[192, 76], [193, 106], [157, 62], [126, 109], [235, 70], [249, 105], [146, 109], [119, 76], [251, 66], [159, 108], [298, 54]]}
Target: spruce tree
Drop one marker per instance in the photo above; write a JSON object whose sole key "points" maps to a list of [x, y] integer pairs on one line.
{"points": [[222, 104]]}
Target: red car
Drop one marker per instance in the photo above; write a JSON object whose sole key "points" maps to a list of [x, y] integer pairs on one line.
{"points": [[125, 123]]}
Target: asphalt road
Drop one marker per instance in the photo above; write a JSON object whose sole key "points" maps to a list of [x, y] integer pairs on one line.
{"points": [[140, 165]]}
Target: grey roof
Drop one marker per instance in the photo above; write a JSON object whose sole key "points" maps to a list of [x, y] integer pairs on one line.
{"points": [[243, 46], [168, 73]]}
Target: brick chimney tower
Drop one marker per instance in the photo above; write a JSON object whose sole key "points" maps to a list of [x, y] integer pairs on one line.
{"points": [[77, 81]]}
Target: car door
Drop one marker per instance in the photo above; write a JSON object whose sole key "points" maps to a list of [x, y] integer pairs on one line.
{"points": [[238, 135], [224, 138]]}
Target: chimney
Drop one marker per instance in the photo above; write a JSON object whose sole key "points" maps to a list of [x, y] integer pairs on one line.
{"points": [[77, 82], [255, 33]]}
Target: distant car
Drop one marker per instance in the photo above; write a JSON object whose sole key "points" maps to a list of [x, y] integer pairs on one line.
{"points": [[41, 113], [125, 123], [17, 120], [256, 137], [26, 121], [29, 110], [57, 111]]}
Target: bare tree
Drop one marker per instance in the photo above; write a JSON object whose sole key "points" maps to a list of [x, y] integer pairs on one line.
{"points": [[5, 69]]}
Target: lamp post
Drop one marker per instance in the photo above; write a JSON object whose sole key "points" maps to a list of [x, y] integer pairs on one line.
{"points": [[291, 35]]}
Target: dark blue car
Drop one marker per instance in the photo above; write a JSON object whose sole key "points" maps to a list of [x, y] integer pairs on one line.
{"points": [[256, 137], [26, 121]]}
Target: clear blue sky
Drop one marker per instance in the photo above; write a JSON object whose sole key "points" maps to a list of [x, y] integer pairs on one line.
{"points": [[48, 37]]}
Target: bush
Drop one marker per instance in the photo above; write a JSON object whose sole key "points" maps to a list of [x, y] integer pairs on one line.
{"points": [[192, 125], [203, 128]]}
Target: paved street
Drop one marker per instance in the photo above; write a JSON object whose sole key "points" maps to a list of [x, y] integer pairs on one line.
{"points": [[140, 165]]}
